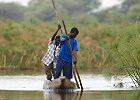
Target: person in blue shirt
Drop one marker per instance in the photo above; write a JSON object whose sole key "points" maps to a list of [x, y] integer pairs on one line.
{"points": [[67, 54]]}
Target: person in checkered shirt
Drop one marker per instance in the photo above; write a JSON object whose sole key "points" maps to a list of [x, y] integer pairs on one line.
{"points": [[50, 57]]}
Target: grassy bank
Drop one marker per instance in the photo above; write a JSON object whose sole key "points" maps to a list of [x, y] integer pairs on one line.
{"points": [[107, 46], [24, 44]]}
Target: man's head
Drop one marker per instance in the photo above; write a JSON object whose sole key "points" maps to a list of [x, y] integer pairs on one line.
{"points": [[57, 40], [74, 32]]}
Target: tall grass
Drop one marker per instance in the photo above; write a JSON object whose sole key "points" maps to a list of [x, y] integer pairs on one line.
{"points": [[111, 46], [24, 44], [21, 45], [126, 50]]}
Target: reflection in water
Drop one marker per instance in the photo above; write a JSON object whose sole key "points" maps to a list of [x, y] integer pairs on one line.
{"points": [[26, 87], [129, 95], [93, 95], [62, 95], [86, 95], [20, 95]]}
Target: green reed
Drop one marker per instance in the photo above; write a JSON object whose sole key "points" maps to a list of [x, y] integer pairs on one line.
{"points": [[100, 46], [127, 53]]}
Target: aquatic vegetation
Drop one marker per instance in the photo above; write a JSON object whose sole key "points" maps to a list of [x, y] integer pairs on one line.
{"points": [[127, 53]]}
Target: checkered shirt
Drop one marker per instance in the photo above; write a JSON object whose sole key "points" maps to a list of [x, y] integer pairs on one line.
{"points": [[49, 55]]}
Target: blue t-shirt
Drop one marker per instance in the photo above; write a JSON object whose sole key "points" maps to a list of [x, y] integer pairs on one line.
{"points": [[65, 53]]}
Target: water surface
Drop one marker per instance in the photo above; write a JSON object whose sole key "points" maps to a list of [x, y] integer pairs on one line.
{"points": [[21, 86]]}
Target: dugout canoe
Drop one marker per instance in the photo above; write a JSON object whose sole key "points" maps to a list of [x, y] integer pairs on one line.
{"points": [[60, 83]]}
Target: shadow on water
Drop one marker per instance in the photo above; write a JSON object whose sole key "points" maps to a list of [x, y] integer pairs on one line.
{"points": [[62, 95]]}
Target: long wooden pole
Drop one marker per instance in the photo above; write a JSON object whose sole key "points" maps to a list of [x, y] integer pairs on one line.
{"points": [[76, 79], [78, 76], [75, 68], [71, 54], [56, 14]]}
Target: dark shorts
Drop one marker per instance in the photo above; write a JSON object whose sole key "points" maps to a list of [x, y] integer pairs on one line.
{"points": [[50, 71], [66, 67]]}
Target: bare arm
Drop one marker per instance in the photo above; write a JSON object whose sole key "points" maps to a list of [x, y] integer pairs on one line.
{"points": [[53, 37], [74, 56]]}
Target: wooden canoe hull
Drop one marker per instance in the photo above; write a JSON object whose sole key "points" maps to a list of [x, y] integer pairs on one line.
{"points": [[60, 83]]}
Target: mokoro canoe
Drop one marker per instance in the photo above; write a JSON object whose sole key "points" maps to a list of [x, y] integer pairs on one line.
{"points": [[60, 83]]}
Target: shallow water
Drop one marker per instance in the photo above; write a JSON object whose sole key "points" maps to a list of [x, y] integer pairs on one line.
{"points": [[95, 95], [96, 87], [90, 83]]}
